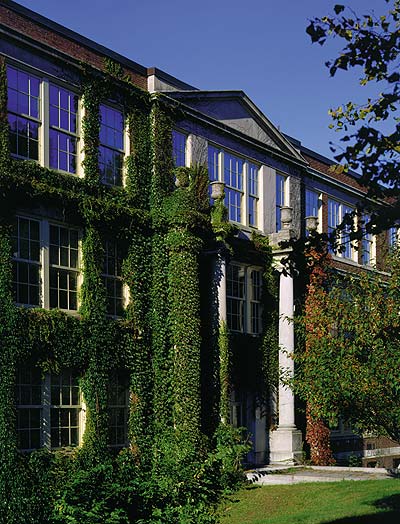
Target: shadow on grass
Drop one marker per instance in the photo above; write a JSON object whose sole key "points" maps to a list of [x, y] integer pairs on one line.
{"points": [[391, 515]]}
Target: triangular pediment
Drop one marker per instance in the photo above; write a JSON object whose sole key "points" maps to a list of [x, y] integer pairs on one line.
{"points": [[236, 110]]}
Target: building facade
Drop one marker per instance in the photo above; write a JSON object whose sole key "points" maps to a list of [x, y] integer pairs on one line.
{"points": [[92, 140]]}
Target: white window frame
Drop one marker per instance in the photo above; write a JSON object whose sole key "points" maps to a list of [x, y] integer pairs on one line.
{"points": [[178, 132], [125, 142], [45, 408], [115, 278], [318, 210], [247, 301], [342, 210], [44, 275], [116, 380], [218, 174], [284, 200], [368, 239]]}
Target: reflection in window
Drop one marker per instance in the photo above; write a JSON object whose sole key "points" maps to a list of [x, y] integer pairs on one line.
{"points": [[65, 406], [255, 300], [252, 184], [112, 277], [23, 113], [28, 400], [118, 397], [281, 198], [26, 261], [63, 129], [243, 298], [235, 295], [111, 151], [233, 178], [63, 267], [337, 212], [213, 163], [179, 148], [366, 244]]}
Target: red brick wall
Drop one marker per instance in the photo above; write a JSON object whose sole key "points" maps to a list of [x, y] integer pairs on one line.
{"points": [[56, 41], [342, 177]]}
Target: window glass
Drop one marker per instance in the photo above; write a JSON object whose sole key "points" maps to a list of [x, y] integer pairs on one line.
{"points": [[179, 148], [312, 203], [23, 113], [235, 292], [111, 151], [63, 129], [243, 298], [337, 212], [366, 244], [26, 261], [213, 163], [280, 198], [63, 251], [252, 185], [112, 278], [28, 400], [233, 178], [118, 397], [65, 406]]}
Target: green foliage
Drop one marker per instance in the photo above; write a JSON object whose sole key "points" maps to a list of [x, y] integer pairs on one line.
{"points": [[371, 129], [171, 472], [225, 372], [349, 364]]}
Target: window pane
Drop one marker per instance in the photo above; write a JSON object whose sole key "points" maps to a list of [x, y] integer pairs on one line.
{"points": [[179, 148]]}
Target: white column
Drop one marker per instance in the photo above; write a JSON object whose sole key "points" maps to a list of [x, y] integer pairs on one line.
{"points": [[286, 347], [286, 440]]}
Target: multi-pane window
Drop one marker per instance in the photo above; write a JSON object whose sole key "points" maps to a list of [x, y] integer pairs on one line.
{"points": [[233, 178], [281, 198], [393, 236], [23, 113], [63, 137], [366, 244], [213, 163], [241, 179], [238, 403], [28, 400], [26, 261], [65, 407], [243, 298], [111, 151], [45, 264], [252, 188], [235, 297], [179, 148], [313, 203], [337, 212], [48, 409], [112, 278], [118, 397], [63, 251], [39, 110], [255, 287]]}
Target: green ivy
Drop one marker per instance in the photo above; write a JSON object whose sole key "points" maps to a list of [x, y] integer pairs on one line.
{"points": [[171, 472]]}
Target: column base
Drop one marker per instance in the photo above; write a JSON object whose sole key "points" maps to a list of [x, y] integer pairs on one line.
{"points": [[286, 446]]}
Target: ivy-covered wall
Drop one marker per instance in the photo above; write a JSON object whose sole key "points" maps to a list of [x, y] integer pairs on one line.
{"points": [[173, 470]]}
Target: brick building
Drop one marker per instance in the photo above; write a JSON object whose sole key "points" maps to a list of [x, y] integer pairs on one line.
{"points": [[272, 182]]}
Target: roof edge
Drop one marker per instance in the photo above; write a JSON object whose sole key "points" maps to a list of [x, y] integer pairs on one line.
{"points": [[72, 35]]}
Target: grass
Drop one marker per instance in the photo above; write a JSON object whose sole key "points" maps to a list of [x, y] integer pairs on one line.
{"points": [[346, 502]]}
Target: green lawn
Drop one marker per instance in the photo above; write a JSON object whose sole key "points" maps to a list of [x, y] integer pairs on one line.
{"points": [[346, 502]]}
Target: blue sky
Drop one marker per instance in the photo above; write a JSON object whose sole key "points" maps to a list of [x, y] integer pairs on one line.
{"points": [[259, 46]]}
